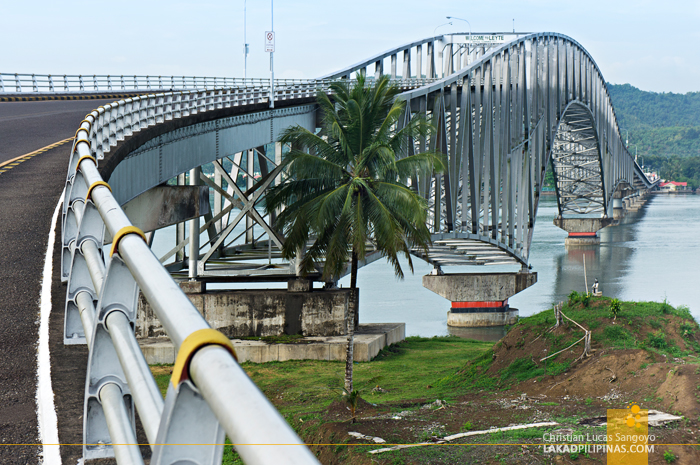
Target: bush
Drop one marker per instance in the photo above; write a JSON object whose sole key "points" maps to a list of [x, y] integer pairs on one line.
{"points": [[586, 299], [669, 456], [687, 329], [574, 297], [657, 340], [615, 307]]}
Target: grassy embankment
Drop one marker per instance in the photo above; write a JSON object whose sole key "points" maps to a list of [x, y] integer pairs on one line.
{"points": [[472, 377]]}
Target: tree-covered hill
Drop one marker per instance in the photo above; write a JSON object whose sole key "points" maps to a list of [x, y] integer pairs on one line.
{"points": [[640, 109], [659, 124]]}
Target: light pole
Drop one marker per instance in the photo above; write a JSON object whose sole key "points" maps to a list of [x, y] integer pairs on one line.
{"points": [[470, 33], [450, 23], [272, 54], [245, 43]]}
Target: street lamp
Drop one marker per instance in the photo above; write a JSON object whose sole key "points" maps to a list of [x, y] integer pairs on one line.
{"points": [[468, 23], [272, 56], [450, 23], [245, 44], [470, 34]]}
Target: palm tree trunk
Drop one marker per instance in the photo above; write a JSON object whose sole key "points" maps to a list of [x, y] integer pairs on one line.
{"points": [[352, 312]]}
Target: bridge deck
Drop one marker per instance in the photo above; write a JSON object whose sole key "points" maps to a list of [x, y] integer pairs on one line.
{"points": [[29, 192]]}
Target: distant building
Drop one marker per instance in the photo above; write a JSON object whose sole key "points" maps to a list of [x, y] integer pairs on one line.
{"points": [[673, 186], [652, 176]]}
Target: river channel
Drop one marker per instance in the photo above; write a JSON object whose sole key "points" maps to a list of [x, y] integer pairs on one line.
{"points": [[654, 254]]}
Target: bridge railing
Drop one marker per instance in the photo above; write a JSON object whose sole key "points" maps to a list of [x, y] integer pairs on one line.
{"points": [[14, 83], [208, 389], [209, 393], [125, 117]]}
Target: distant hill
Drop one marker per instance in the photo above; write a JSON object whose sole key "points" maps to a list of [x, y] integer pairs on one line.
{"points": [[660, 124], [665, 127], [637, 109]]}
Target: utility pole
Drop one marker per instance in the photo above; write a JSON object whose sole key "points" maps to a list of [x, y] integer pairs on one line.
{"points": [[272, 55], [245, 44]]}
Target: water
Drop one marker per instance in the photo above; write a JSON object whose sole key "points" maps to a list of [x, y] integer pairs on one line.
{"points": [[653, 255]]}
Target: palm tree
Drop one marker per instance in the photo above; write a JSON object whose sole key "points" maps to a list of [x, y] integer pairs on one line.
{"points": [[346, 187]]}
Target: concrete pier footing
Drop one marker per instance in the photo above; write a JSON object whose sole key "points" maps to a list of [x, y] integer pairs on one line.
{"points": [[369, 340], [582, 231], [480, 299]]}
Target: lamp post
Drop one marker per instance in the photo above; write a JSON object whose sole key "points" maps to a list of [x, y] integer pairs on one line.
{"points": [[470, 33], [245, 43], [445, 24], [272, 54]]}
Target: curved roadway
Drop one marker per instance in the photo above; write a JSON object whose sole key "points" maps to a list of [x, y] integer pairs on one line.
{"points": [[29, 191]]}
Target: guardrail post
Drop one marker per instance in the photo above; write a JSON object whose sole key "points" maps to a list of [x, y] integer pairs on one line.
{"points": [[18, 83], [119, 294], [91, 228], [35, 86], [188, 420], [51, 88], [74, 204]]}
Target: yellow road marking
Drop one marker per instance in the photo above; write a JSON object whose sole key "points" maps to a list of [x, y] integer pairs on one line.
{"points": [[16, 161]]}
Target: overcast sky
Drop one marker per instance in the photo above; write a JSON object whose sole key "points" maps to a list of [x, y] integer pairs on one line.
{"points": [[649, 45]]}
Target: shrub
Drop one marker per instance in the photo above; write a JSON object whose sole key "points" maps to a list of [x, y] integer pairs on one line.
{"points": [[657, 340], [687, 329], [574, 297], [669, 456], [615, 307], [586, 299]]}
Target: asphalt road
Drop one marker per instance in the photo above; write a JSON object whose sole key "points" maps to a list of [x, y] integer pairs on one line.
{"points": [[29, 192], [28, 126]]}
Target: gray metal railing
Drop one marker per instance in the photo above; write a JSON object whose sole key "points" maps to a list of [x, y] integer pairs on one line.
{"points": [[125, 117], [209, 393], [14, 83], [76, 83]]}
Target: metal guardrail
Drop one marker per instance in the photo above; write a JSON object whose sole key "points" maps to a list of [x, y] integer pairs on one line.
{"points": [[209, 393], [125, 117], [14, 83], [76, 83]]}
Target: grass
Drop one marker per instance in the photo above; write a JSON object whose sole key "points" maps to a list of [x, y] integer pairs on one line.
{"points": [[410, 370], [420, 370], [631, 316]]}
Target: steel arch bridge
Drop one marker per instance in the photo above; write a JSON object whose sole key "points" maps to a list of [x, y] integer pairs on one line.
{"points": [[501, 119], [503, 112]]}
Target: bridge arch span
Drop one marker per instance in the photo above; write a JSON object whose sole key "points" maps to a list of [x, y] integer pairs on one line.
{"points": [[500, 119]]}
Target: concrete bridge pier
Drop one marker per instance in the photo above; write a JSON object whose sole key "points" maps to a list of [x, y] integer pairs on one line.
{"points": [[619, 206], [582, 231], [480, 299]]}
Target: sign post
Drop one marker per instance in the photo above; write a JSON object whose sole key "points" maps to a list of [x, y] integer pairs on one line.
{"points": [[270, 47]]}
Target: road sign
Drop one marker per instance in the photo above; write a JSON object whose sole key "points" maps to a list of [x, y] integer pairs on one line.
{"points": [[269, 41]]}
